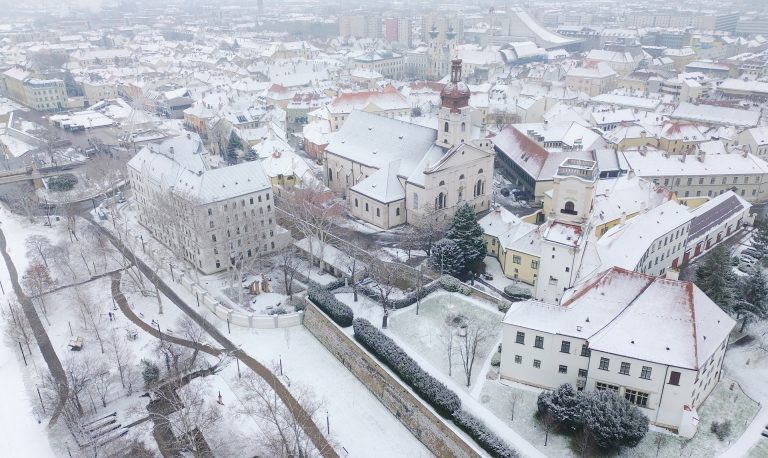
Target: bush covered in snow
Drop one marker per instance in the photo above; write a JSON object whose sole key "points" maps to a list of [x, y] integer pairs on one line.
{"points": [[429, 388], [327, 302], [517, 293], [611, 420], [485, 438], [564, 403], [721, 430], [62, 183]]}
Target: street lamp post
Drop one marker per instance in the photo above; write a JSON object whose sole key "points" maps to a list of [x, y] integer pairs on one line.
{"points": [[171, 266]]}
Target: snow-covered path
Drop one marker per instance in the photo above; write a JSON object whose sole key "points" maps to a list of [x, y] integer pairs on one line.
{"points": [[749, 366]]}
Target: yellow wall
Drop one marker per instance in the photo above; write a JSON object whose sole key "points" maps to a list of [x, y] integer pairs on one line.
{"points": [[523, 271]]}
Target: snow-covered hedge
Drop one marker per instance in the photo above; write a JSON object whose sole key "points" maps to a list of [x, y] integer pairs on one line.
{"points": [[327, 302], [445, 401], [517, 292], [485, 438]]}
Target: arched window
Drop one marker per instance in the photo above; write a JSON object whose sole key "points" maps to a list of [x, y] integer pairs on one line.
{"points": [[461, 177], [445, 127], [356, 203], [442, 183], [479, 188], [569, 208], [463, 127], [440, 201], [397, 211], [330, 174], [479, 172], [415, 201]]}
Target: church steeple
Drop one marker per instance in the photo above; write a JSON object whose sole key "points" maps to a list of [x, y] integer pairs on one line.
{"points": [[454, 117]]}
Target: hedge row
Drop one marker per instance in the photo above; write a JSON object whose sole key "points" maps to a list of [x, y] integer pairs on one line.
{"points": [[446, 282], [327, 302], [484, 437], [445, 401]]}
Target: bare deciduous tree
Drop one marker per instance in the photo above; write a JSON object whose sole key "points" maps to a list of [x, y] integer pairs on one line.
{"points": [[385, 277], [284, 432], [191, 331], [120, 355], [429, 226], [93, 313], [101, 381], [474, 334], [17, 327], [288, 263], [192, 415], [37, 280], [38, 248]]}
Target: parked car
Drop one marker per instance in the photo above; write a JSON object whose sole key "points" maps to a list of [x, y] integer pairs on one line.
{"points": [[487, 276], [504, 192]]}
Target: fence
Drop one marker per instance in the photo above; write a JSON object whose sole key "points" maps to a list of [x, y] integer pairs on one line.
{"points": [[204, 298]]}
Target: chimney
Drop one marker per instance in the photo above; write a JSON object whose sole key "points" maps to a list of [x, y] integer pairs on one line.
{"points": [[702, 155], [623, 218], [672, 274], [171, 150]]}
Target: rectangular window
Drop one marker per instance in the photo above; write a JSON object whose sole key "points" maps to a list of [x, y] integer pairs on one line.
{"points": [[516, 259], [637, 398], [562, 369], [582, 373], [645, 372], [604, 362], [537, 364], [539, 343], [520, 338], [534, 264], [624, 369], [585, 350], [565, 347], [674, 378], [518, 359], [600, 386]]}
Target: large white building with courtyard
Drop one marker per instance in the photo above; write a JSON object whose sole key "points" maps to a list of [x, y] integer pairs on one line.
{"points": [[212, 217]]}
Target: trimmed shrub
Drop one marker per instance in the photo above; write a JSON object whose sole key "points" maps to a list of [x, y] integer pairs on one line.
{"points": [[327, 302], [427, 387], [721, 430], [485, 438], [62, 183], [612, 420], [564, 403], [504, 306], [517, 293]]}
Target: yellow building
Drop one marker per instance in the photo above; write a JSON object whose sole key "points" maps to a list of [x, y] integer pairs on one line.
{"points": [[514, 243]]}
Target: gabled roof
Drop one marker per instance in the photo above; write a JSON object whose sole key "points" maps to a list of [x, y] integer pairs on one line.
{"points": [[607, 310], [383, 185]]}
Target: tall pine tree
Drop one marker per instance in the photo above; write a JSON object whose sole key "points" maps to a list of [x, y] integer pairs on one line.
{"points": [[468, 235], [760, 237], [234, 145], [446, 257], [752, 305], [716, 279]]}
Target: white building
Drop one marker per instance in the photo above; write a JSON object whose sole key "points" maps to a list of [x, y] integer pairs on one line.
{"points": [[597, 338], [214, 217]]}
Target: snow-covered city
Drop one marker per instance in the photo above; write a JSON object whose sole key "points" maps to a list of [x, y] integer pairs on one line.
{"points": [[374, 228]]}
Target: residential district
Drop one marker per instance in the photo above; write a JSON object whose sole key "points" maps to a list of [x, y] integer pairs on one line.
{"points": [[385, 229]]}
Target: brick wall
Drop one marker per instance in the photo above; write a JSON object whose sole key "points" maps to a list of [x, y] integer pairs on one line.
{"points": [[407, 407]]}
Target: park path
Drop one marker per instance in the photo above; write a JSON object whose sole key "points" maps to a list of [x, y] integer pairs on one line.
{"points": [[311, 429], [41, 336]]}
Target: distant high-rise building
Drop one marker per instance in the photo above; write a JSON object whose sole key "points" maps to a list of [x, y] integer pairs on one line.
{"points": [[398, 29], [360, 25]]}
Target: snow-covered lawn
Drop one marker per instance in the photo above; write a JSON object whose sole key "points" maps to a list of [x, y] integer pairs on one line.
{"points": [[358, 421], [427, 332], [722, 404], [760, 450], [493, 267]]}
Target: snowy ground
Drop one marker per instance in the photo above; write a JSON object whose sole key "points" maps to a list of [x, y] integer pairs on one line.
{"points": [[493, 267], [428, 333], [498, 396]]}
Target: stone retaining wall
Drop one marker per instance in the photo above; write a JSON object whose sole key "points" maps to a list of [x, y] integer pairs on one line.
{"points": [[413, 413]]}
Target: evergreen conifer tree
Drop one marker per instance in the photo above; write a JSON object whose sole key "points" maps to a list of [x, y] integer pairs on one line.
{"points": [[233, 148], [468, 235], [446, 257], [716, 279], [752, 304]]}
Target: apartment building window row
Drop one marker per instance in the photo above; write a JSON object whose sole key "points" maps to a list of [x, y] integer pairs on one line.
{"points": [[637, 398], [600, 386]]}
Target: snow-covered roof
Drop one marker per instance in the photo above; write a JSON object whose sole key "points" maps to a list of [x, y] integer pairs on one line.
{"points": [[386, 100], [375, 141], [716, 115], [383, 185], [605, 311], [655, 163], [179, 165]]}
